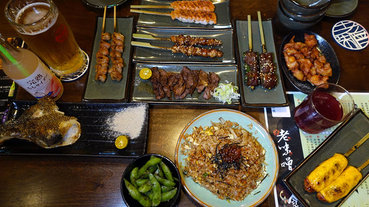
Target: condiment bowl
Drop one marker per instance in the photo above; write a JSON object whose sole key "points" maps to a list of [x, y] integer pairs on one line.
{"points": [[306, 7], [301, 17], [139, 162]]}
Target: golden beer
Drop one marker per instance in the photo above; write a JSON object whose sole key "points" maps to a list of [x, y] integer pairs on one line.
{"points": [[47, 33]]}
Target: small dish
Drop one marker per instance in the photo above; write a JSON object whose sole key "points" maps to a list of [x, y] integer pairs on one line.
{"points": [[110, 90], [259, 97], [101, 4], [340, 9], [139, 162], [148, 20], [143, 91], [325, 48], [340, 140], [202, 195]]}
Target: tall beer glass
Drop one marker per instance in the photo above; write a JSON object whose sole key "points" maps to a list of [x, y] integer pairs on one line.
{"points": [[45, 30]]}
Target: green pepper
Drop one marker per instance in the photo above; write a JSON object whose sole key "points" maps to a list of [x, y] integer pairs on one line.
{"points": [[135, 194], [156, 190], [166, 171], [165, 182], [153, 161], [168, 195]]}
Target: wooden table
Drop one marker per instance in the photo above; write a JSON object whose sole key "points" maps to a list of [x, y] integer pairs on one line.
{"points": [[87, 181]]}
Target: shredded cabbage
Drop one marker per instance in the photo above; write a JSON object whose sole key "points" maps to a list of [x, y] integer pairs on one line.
{"points": [[225, 92]]}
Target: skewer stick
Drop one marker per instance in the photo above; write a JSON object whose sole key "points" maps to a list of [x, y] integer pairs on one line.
{"points": [[115, 18], [151, 7], [357, 145], [150, 12], [261, 32], [363, 165], [148, 37], [148, 45], [104, 19], [249, 31]]}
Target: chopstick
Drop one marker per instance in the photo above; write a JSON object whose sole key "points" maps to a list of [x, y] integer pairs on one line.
{"points": [[261, 33]]}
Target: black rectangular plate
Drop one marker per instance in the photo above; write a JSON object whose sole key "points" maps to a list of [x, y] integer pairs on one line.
{"points": [[95, 140], [143, 92], [115, 90], [341, 140], [259, 97]]}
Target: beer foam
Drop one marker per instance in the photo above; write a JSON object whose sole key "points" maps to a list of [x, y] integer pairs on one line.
{"points": [[29, 16]]}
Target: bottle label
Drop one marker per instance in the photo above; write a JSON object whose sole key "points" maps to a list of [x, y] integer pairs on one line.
{"points": [[42, 82]]}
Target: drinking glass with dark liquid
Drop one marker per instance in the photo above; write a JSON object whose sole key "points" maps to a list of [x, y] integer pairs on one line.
{"points": [[47, 33], [328, 105]]}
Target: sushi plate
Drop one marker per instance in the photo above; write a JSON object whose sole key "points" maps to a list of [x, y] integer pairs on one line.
{"points": [[259, 97], [343, 138], [110, 89], [98, 132], [143, 90], [149, 20], [142, 54]]}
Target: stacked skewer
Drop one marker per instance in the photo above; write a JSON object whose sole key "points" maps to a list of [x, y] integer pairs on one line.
{"points": [[197, 11], [115, 43], [260, 69]]}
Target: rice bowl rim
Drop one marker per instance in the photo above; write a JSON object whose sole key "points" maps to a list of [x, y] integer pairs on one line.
{"points": [[255, 122]]}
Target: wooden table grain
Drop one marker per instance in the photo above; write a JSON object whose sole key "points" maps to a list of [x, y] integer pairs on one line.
{"points": [[89, 181]]}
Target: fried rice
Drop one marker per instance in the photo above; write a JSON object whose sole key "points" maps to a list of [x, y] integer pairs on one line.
{"points": [[224, 158]]}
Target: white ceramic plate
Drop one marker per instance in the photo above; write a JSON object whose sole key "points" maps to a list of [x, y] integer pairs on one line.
{"points": [[204, 196]]}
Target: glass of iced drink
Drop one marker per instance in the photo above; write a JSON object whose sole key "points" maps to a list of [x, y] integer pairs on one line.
{"points": [[45, 30], [328, 105]]}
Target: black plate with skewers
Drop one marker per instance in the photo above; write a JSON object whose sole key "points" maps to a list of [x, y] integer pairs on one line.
{"points": [[325, 48]]}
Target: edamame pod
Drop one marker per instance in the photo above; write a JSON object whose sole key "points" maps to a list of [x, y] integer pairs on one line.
{"points": [[156, 190], [141, 181], [145, 187], [132, 190], [166, 171], [168, 195], [165, 182], [133, 175], [153, 161], [165, 188]]}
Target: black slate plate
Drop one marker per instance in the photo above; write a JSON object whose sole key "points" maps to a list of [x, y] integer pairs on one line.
{"points": [[259, 97], [341, 140], [325, 48], [96, 138], [110, 89]]}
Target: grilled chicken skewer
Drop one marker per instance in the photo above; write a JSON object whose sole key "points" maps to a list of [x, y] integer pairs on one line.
{"points": [[330, 169], [187, 50], [197, 5], [117, 46], [268, 77], [251, 61], [188, 16], [183, 39], [102, 59]]}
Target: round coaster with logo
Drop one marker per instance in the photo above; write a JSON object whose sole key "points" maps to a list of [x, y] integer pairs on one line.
{"points": [[350, 35]]}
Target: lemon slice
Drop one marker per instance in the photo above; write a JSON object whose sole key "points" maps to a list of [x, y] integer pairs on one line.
{"points": [[121, 142], [145, 73]]}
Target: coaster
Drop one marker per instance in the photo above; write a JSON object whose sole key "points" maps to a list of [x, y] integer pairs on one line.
{"points": [[350, 35]]}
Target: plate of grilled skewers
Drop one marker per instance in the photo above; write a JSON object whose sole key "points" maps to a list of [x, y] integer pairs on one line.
{"points": [[308, 60], [335, 170], [260, 76], [183, 14], [183, 45], [110, 60], [182, 84]]}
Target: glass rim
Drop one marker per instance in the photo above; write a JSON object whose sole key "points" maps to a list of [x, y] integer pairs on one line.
{"points": [[344, 90], [13, 21]]}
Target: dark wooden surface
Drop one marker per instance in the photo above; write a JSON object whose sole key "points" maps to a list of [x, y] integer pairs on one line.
{"points": [[86, 181]]}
